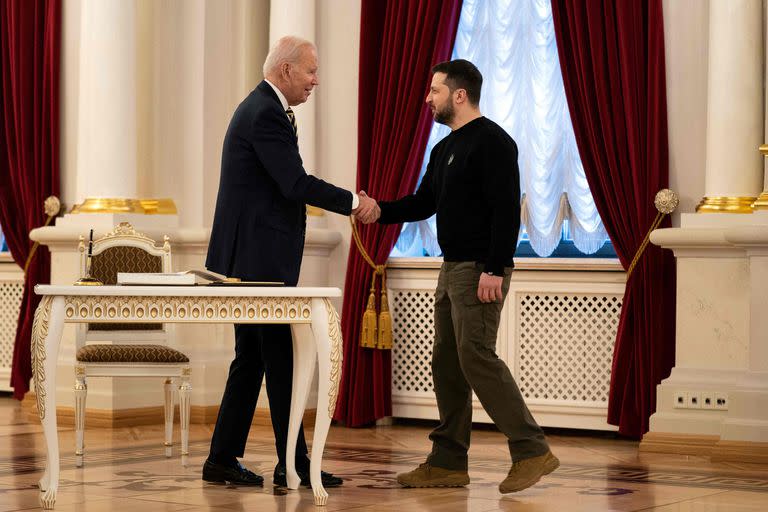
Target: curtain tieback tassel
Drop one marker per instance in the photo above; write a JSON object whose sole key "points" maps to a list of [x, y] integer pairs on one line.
{"points": [[385, 322], [376, 328], [369, 329]]}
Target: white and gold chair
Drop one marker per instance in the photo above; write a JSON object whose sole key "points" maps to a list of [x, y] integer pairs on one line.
{"points": [[136, 350]]}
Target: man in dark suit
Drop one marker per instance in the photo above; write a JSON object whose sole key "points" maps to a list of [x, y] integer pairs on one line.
{"points": [[258, 235]]}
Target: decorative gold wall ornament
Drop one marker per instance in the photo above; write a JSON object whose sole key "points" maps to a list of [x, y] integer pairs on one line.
{"points": [[164, 206], [39, 334], [334, 334], [722, 204]]}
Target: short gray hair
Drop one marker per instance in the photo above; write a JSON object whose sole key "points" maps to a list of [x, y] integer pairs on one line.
{"points": [[286, 49]]}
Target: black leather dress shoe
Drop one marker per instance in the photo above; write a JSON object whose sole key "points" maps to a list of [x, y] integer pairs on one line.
{"points": [[235, 475], [328, 479]]}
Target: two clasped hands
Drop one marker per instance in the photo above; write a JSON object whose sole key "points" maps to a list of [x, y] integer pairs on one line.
{"points": [[489, 288], [368, 210]]}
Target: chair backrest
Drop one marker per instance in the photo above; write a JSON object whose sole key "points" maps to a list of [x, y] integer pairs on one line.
{"points": [[122, 250]]}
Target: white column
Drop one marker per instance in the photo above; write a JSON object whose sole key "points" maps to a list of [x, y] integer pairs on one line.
{"points": [[765, 106], [106, 151], [765, 110], [735, 99], [297, 18], [762, 201]]}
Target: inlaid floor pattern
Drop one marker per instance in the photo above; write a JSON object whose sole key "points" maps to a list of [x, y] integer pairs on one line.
{"points": [[126, 470]]}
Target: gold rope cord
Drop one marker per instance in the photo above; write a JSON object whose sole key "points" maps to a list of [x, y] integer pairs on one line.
{"points": [[641, 249], [666, 201], [51, 207], [376, 328]]}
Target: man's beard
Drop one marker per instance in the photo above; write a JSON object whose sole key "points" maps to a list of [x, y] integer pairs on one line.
{"points": [[446, 114]]}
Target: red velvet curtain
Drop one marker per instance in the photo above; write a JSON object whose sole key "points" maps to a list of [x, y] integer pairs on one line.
{"points": [[400, 41], [612, 61], [29, 147]]}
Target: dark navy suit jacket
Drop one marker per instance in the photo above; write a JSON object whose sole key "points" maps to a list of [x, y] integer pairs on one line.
{"points": [[260, 220]]}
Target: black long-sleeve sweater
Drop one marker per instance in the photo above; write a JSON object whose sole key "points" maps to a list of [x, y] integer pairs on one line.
{"points": [[473, 184]]}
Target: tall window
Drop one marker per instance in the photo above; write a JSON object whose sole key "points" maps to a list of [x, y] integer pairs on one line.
{"points": [[3, 246], [512, 42]]}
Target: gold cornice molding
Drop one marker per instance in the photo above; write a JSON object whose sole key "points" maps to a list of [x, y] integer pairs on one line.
{"points": [[761, 203], [164, 206], [725, 204]]}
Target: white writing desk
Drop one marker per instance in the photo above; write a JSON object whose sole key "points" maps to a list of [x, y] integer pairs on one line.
{"points": [[313, 319]]}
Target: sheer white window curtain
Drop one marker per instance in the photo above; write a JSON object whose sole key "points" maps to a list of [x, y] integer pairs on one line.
{"points": [[512, 42]]}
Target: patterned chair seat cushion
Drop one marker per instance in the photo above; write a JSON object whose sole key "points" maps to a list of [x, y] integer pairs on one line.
{"points": [[130, 354]]}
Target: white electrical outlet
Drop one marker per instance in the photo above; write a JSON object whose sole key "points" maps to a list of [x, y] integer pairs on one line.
{"points": [[721, 401], [700, 399], [681, 399], [694, 400]]}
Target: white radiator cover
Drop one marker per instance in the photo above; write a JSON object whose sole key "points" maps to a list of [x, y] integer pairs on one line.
{"points": [[557, 333], [11, 290]]}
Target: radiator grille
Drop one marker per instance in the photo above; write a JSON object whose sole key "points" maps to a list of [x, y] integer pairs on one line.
{"points": [[565, 345], [562, 346], [10, 302], [413, 331]]}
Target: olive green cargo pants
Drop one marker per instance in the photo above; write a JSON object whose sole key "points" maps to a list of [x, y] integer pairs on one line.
{"points": [[464, 360]]}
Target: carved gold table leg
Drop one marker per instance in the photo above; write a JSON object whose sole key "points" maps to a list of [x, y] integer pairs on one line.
{"points": [[46, 336], [327, 333], [304, 357]]}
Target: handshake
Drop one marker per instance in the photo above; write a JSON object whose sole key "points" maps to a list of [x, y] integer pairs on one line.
{"points": [[368, 210]]}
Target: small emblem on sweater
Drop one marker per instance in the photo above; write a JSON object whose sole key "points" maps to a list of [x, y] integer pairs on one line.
{"points": [[450, 159]]}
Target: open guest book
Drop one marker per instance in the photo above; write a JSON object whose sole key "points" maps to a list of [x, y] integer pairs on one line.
{"points": [[186, 278]]}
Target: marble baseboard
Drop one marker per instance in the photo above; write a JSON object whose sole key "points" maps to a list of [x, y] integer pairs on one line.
{"points": [[705, 446]]}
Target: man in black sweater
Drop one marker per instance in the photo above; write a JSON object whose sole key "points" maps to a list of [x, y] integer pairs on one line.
{"points": [[472, 183]]}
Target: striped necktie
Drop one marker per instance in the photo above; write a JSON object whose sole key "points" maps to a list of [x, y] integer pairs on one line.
{"points": [[292, 118]]}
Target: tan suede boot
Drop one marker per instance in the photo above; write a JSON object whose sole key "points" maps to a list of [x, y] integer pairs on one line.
{"points": [[527, 472], [427, 475]]}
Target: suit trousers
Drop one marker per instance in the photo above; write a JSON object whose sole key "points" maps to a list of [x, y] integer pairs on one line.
{"points": [[259, 350], [464, 360]]}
